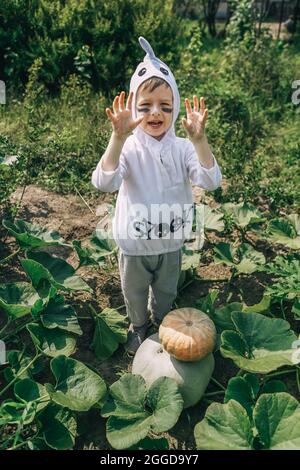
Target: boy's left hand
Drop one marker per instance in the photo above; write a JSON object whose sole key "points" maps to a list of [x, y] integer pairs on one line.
{"points": [[194, 123]]}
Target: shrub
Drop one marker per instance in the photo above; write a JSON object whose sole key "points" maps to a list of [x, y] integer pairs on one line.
{"points": [[97, 40]]}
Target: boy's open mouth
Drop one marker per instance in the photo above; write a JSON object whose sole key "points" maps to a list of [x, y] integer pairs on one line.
{"points": [[155, 124]]}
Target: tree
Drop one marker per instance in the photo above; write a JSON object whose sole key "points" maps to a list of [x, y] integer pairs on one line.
{"points": [[280, 18], [186, 8], [210, 8], [296, 15], [263, 12]]}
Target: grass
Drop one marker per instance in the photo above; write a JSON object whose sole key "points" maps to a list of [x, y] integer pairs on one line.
{"points": [[67, 134]]}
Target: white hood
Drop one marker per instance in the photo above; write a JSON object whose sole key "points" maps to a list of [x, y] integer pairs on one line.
{"points": [[154, 67]]}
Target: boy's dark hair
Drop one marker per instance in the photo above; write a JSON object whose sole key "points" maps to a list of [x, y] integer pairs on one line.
{"points": [[152, 83]]}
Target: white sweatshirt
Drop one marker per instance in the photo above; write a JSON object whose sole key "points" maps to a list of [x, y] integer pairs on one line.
{"points": [[154, 206]]}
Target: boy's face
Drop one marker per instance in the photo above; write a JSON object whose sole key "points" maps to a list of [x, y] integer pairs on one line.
{"points": [[157, 108]]}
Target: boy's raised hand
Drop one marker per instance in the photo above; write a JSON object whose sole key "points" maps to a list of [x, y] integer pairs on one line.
{"points": [[194, 123], [122, 122]]}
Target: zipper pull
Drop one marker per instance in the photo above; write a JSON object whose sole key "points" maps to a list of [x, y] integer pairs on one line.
{"points": [[161, 159]]}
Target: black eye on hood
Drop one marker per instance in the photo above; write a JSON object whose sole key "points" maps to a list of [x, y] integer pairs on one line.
{"points": [[142, 72], [164, 71]]}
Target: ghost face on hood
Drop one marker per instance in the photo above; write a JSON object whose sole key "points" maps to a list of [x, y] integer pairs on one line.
{"points": [[154, 67], [155, 103]]}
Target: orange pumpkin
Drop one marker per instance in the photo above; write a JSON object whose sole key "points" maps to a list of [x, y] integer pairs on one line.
{"points": [[187, 334]]}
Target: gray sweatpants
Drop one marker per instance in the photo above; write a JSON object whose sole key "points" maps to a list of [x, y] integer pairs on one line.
{"points": [[157, 273]]}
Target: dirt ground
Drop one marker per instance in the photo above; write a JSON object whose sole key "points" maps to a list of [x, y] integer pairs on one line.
{"points": [[74, 220], [274, 29]]}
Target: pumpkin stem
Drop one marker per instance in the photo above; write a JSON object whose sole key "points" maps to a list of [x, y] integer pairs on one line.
{"points": [[218, 383], [211, 394]]}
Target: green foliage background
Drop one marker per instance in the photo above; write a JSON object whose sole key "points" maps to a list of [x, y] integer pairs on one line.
{"points": [[64, 61]]}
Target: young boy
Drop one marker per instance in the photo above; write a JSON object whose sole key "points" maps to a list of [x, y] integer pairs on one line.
{"points": [[153, 169]]}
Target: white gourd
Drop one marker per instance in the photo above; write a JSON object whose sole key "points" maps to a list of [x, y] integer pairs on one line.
{"points": [[151, 361]]}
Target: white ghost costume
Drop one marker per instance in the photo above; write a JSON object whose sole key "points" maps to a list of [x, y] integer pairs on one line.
{"points": [[154, 208]]}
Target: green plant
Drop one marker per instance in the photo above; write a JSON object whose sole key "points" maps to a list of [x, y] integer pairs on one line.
{"points": [[285, 231], [45, 391], [42, 415], [286, 270], [72, 37], [243, 259], [228, 426], [242, 23], [258, 344], [133, 410]]}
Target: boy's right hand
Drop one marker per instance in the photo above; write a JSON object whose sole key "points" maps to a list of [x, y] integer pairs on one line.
{"points": [[122, 122]]}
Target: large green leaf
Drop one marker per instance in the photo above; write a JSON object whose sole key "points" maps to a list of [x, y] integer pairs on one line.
{"points": [[263, 306], [190, 259], [220, 316], [249, 258], [58, 427], [52, 342], [28, 390], [243, 258], [88, 256], [166, 402], [213, 219], [296, 309], [96, 249], [277, 419], [259, 344], [12, 412], [59, 315], [285, 231], [38, 443], [244, 214], [18, 361], [17, 298], [275, 422], [102, 244], [151, 444], [206, 303], [225, 427], [32, 236], [42, 266], [110, 331], [134, 412], [295, 221], [274, 386], [224, 254], [122, 433], [77, 387], [243, 390], [127, 398]]}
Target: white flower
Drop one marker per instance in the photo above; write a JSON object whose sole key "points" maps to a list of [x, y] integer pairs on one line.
{"points": [[10, 159]]}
